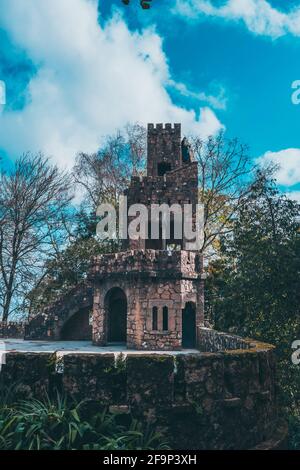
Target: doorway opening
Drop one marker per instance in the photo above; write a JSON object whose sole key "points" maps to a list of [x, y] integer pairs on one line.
{"points": [[77, 327], [189, 326], [116, 308]]}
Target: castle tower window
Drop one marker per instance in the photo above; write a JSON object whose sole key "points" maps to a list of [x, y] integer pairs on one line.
{"points": [[162, 168], [165, 319], [173, 241], [152, 243], [154, 319]]}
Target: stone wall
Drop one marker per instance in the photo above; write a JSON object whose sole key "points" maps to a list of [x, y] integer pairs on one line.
{"points": [[163, 145], [179, 186], [148, 278], [142, 296], [180, 264], [210, 340], [221, 400], [60, 316], [78, 327], [12, 329]]}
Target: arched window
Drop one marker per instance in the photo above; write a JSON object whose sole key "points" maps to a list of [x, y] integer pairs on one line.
{"points": [[154, 318], [165, 319], [153, 243]]}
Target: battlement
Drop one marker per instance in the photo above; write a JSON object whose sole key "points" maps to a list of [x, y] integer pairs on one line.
{"points": [[155, 129], [164, 149], [172, 184]]}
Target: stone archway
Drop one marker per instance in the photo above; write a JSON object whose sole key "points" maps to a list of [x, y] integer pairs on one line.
{"points": [[189, 326], [77, 327], [116, 315]]}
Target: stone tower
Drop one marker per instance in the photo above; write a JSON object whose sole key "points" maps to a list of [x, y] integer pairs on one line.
{"points": [[150, 296]]}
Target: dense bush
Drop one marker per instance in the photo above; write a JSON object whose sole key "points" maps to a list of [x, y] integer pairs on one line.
{"points": [[253, 286]]}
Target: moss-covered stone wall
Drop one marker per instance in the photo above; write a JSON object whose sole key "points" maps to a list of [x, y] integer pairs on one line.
{"points": [[201, 401]]}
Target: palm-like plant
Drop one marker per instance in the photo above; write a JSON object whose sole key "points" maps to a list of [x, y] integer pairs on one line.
{"points": [[60, 424]]}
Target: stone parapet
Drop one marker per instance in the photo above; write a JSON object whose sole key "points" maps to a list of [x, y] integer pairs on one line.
{"points": [[204, 400], [48, 324], [153, 263], [210, 340]]}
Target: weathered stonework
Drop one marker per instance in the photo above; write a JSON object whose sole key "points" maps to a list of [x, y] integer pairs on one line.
{"points": [[140, 334], [210, 340], [157, 284], [149, 279], [68, 318], [212, 400], [164, 146]]}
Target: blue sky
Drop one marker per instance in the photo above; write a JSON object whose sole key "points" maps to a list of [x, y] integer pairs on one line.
{"points": [[73, 76]]}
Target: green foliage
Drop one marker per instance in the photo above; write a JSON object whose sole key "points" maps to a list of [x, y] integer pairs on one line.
{"points": [[253, 287], [294, 432], [70, 267], [101, 177], [57, 424]]}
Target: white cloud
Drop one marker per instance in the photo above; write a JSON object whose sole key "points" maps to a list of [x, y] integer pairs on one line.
{"points": [[258, 15], [288, 162], [209, 124], [218, 101], [90, 80]]}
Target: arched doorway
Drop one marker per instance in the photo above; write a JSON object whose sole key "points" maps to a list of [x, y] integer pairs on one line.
{"points": [[77, 327], [116, 308], [189, 325]]}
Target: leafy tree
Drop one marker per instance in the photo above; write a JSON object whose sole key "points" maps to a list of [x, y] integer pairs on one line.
{"points": [[69, 267], [253, 288], [100, 177], [225, 174], [34, 196]]}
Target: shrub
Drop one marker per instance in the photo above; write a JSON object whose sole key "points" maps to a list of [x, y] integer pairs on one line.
{"points": [[61, 424]]}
